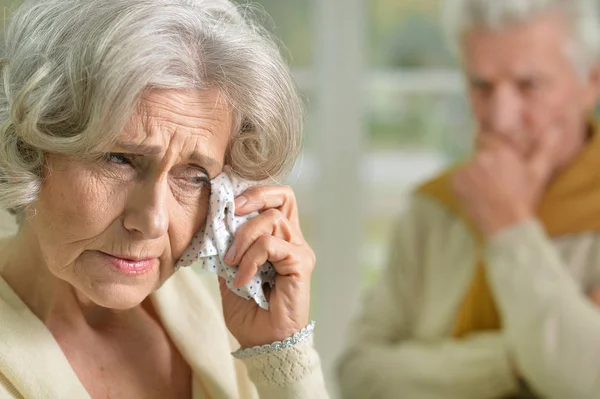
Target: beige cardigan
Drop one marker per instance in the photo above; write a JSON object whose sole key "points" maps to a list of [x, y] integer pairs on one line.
{"points": [[401, 345], [32, 365]]}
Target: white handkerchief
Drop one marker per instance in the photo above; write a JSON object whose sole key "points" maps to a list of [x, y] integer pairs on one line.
{"points": [[210, 244]]}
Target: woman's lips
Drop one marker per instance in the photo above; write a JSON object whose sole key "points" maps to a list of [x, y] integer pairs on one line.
{"points": [[131, 266]]}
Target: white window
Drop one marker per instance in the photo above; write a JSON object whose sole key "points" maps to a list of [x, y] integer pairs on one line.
{"points": [[386, 110]]}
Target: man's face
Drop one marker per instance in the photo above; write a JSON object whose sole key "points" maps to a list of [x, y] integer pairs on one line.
{"points": [[521, 83]]}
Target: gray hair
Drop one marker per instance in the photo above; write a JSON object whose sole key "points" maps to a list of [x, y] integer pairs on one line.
{"points": [[74, 71], [581, 15]]}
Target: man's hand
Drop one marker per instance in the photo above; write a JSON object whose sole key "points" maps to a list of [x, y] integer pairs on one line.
{"points": [[499, 187]]}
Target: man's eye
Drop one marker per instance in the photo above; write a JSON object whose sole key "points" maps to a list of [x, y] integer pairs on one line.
{"points": [[528, 85], [481, 86], [118, 159]]}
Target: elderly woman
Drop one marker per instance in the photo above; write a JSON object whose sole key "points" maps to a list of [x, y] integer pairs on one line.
{"points": [[115, 118]]}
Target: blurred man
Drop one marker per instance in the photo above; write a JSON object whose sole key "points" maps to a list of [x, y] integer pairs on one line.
{"points": [[488, 287]]}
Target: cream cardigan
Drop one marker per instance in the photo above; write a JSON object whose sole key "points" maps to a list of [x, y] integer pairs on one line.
{"points": [[32, 365], [401, 346]]}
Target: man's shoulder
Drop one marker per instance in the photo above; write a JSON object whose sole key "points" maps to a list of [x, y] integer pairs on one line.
{"points": [[428, 225], [434, 205], [427, 220]]}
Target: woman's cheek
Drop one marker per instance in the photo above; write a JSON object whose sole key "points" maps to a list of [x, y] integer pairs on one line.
{"points": [[188, 217]]}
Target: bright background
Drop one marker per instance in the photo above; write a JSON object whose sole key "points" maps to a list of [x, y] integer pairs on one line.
{"points": [[385, 110]]}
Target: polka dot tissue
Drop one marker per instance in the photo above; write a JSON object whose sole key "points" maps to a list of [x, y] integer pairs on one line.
{"points": [[209, 245]]}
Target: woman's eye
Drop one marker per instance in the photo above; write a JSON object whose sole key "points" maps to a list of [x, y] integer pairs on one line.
{"points": [[118, 159], [198, 180], [196, 177]]}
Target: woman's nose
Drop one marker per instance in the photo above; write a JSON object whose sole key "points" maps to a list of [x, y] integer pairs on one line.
{"points": [[147, 210]]}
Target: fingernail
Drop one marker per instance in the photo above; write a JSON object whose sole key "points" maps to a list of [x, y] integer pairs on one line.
{"points": [[240, 201], [230, 256], [236, 280]]}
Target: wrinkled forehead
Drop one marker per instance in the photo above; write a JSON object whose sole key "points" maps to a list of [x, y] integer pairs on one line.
{"points": [[194, 124], [185, 109], [161, 114]]}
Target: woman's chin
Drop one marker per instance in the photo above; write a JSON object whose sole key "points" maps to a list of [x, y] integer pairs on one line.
{"points": [[117, 296], [112, 289]]}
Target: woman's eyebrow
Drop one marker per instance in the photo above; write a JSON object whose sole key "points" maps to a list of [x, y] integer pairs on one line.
{"points": [[139, 148], [205, 160], [145, 149]]}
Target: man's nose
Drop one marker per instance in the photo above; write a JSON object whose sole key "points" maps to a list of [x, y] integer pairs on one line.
{"points": [[505, 112]]}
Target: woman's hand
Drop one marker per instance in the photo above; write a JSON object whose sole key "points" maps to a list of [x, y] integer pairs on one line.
{"points": [[275, 236]]}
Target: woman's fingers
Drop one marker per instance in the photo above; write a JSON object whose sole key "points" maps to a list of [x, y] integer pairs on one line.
{"points": [[261, 198], [287, 259], [270, 222]]}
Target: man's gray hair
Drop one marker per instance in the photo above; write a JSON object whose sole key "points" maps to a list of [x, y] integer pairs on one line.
{"points": [[73, 72], [582, 16]]}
